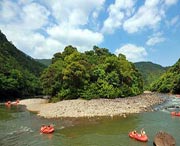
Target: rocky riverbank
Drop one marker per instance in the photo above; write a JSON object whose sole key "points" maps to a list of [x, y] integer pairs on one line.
{"points": [[95, 107]]}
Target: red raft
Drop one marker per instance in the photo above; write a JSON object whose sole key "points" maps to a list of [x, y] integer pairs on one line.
{"points": [[8, 103], [139, 137], [175, 113], [47, 129]]}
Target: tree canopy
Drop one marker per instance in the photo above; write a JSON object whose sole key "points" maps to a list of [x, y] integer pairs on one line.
{"points": [[169, 82], [93, 74], [19, 73]]}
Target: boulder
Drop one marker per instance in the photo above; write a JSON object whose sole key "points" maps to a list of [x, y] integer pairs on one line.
{"points": [[164, 139]]}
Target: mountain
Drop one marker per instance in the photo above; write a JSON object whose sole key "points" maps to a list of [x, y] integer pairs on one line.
{"points": [[169, 82], [19, 73], [46, 62], [13, 58], [150, 72]]}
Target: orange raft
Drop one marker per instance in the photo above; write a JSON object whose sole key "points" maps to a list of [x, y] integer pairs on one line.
{"points": [[8, 103], [175, 113], [139, 137], [47, 129]]}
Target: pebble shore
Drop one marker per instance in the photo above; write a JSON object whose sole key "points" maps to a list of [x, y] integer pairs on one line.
{"points": [[92, 108]]}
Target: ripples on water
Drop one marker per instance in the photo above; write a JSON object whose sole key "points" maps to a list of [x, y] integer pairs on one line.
{"points": [[13, 138], [172, 103]]}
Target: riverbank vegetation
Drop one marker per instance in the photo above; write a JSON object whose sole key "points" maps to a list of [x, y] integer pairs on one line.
{"points": [[150, 72], [169, 82], [19, 73]]}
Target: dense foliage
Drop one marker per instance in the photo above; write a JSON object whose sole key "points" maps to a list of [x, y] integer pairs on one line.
{"points": [[150, 72], [93, 74], [19, 73], [169, 82]]}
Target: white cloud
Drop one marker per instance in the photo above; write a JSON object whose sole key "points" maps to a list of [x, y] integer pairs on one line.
{"points": [[76, 37], [152, 3], [76, 12], [117, 13], [149, 15], [155, 39], [48, 48], [132, 52], [170, 2], [21, 28], [41, 28], [27, 16], [122, 14], [33, 44], [174, 20], [8, 11], [34, 16]]}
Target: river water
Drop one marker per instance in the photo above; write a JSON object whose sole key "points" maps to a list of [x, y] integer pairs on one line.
{"points": [[19, 127]]}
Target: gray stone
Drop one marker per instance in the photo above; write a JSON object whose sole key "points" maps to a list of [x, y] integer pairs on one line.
{"points": [[164, 139]]}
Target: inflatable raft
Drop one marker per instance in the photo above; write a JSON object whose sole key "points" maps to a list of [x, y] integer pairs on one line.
{"points": [[47, 129], [8, 103], [139, 137], [175, 113]]}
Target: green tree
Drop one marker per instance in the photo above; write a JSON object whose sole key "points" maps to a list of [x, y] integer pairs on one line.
{"points": [[93, 74], [169, 81]]}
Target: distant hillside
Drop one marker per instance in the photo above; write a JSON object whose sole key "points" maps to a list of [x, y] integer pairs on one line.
{"points": [[169, 82], [18, 71], [150, 72], [46, 62], [13, 58]]}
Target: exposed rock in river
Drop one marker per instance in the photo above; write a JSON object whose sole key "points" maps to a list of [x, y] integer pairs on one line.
{"points": [[164, 139]]}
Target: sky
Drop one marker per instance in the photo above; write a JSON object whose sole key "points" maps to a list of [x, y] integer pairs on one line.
{"points": [[143, 30]]}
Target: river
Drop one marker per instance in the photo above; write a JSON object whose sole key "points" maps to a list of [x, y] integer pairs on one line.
{"points": [[19, 127]]}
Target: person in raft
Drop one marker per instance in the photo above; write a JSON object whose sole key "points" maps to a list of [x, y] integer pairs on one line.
{"points": [[134, 132], [143, 133], [43, 126]]}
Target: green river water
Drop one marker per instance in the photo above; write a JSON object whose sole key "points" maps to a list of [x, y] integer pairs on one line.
{"points": [[19, 127]]}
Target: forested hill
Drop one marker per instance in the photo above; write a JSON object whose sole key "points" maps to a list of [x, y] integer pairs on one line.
{"points": [[11, 57], [94, 74], [19, 73], [46, 62], [150, 72], [169, 82]]}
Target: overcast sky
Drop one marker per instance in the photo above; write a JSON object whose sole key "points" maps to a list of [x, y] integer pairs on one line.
{"points": [[143, 30]]}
